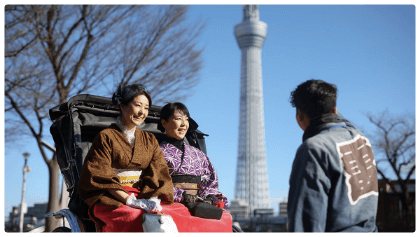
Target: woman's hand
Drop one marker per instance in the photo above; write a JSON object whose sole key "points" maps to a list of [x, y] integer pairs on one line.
{"points": [[119, 194], [151, 205], [210, 199], [188, 198], [132, 201]]}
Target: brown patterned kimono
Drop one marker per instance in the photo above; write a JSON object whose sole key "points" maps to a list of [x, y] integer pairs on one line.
{"points": [[110, 150]]}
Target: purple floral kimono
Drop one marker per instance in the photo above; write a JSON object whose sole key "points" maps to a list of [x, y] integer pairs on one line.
{"points": [[196, 163]]}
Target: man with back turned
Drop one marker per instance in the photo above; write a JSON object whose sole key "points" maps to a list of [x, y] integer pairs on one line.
{"points": [[333, 183]]}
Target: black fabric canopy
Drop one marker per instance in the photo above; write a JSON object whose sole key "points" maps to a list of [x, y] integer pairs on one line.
{"points": [[79, 120]]}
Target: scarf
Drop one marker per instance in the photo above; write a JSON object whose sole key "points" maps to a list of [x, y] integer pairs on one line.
{"points": [[177, 143], [315, 126]]}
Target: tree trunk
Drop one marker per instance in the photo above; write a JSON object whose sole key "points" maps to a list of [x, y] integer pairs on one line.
{"points": [[405, 197], [53, 197], [77, 48]]}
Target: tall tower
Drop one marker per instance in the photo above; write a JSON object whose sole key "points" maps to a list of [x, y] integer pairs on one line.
{"points": [[251, 171]]}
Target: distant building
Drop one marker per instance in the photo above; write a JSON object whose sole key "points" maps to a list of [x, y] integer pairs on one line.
{"points": [[38, 210], [263, 212], [283, 207], [391, 216], [238, 208], [33, 216], [12, 223], [251, 171], [383, 186], [261, 220]]}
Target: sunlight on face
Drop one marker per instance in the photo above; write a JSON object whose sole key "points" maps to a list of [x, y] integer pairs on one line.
{"points": [[135, 112], [177, 125]]}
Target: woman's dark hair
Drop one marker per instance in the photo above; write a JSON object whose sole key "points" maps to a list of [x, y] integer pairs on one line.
{"points": [[314, 98], [168, 110], [128, 93]]}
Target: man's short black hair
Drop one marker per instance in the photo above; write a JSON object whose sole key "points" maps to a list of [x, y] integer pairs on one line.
{"points": [[314, 98], [169, 109]]}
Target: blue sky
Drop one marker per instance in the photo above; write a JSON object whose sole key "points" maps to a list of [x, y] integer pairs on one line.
{"points": [[368, 51]]}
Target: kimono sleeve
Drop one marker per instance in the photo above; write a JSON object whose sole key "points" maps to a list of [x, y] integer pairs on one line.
{"points": [[155, 179], [308, 193], [97, 175], [210, 184], [178, 194]]}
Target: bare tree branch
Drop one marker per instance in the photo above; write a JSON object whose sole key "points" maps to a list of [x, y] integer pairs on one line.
{"points": [[389, 182], [21, 39], [410, 173], [395, 140], [53, 52]]}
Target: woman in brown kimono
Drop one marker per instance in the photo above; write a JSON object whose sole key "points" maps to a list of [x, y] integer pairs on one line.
{"points": [[124, 161]]}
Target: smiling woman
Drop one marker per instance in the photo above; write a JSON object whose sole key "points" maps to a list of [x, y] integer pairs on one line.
{"points": [[177, 124], [135, 112], [192, 173], [124, 165]]}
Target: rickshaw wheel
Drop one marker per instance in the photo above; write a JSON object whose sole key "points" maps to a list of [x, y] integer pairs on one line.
{"points": [[62, 229]]}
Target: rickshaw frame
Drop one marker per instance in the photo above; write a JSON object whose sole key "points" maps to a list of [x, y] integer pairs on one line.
{"points": [[75, 125]]}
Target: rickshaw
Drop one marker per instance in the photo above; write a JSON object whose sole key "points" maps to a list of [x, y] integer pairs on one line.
{"points": [[75, 125]]}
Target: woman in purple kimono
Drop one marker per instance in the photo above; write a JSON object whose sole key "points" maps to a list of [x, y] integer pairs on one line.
{"points": [[193, 175]]}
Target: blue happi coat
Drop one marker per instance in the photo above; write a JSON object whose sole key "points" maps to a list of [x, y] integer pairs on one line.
{"points": [[333, 183]]}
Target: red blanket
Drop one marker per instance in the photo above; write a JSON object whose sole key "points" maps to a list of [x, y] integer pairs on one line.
{"points": [[127, 219]]}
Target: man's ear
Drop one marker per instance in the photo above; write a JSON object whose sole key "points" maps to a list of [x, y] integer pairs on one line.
{"points": [[335, 110], [299, 118], [302, 119]]}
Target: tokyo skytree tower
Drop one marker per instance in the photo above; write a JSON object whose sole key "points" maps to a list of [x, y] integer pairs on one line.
{"points": [[251, 171]]}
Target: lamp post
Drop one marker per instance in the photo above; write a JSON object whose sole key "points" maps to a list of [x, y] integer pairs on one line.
{"points": [[25, 168]]}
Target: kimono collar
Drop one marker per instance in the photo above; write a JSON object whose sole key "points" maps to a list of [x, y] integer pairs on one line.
{"points": [[175, 142], [128, 133], [131, 152]]}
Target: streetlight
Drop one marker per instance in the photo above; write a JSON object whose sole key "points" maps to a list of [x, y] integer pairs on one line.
{"points": [[25, 168]]}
